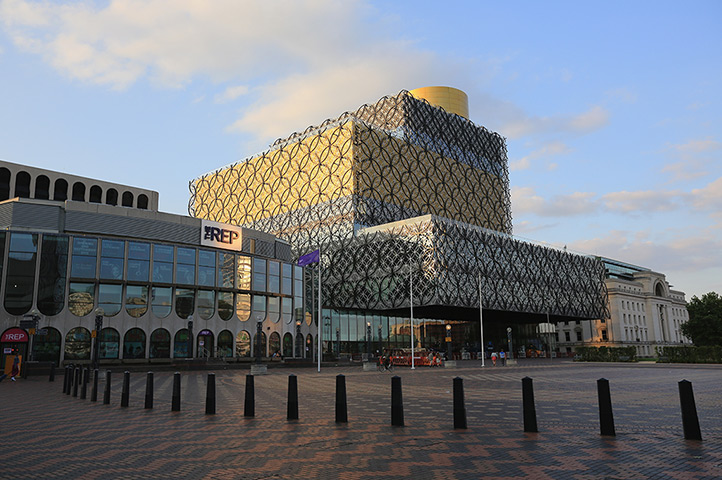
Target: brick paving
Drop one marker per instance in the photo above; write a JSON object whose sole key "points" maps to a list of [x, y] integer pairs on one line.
{"points": [[47, 434]]}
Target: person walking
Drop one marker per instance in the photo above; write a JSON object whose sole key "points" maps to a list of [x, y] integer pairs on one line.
{"points": [[16, 368], [493, 358], [502, 357]]}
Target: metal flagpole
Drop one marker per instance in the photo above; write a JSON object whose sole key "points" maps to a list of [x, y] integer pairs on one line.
{"points": [[481, 322], [319, 327], [411, 298]]}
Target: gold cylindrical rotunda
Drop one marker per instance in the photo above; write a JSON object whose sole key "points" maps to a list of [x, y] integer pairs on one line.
{"points": [[450, 99]]}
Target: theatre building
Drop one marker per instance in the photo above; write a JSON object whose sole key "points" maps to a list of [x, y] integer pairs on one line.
{"points": [[79, 255]]}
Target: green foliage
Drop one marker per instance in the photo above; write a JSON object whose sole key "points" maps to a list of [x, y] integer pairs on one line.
{"points": [[690, 354], [607, 354], [704, 327]]}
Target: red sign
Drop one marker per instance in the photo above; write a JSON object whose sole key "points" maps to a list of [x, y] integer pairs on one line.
{"points": [[14, 335]]}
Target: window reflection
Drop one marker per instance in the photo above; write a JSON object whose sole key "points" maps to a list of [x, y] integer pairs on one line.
{"points": [[185, 272], [225, 305], [226, 268], [109, 343], [163, 263], [160, 343], [287, 310], [184, 302], [180, 344], [134, 343], [274, 309], [20, 281], [287, 279], [81, 298], [258, 308], [53, 274], [243, 344], [161, 301], [112, 256], [109, 299], [274, 277], [259, 275], [206, 268], [84, 257], [243, 306], [244, 273], [136, 300], [77, 344], [225, 344], [206, 303], [138, 261]]}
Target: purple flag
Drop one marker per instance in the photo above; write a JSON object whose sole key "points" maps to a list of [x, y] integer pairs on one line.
{"points": [[309, 258]]}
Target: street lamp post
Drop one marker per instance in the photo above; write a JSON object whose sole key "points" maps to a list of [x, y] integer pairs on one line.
{"points": [[338, 342], [381, 344], [99, 312], [508, 339], [190, 336], [448, 341], [299, 339], [368, 340], [35, 316], [259, 344]]}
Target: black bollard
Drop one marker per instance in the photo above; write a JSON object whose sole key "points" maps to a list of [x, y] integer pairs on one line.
{"points": [[52, 372], [66, 377], [341, 404], [292, 409], [211, 394], [149, 390], [94, 391], [125, 394], [528, 402], [249, 407], [84, 387], [459, 408], [106, 393], [690, 421], [606, 418], [71, 373], [397, 402], [76, 381], [176, 400]]}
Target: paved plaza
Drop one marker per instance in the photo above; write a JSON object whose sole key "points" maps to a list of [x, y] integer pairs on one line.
{"points": [[47, 434]]}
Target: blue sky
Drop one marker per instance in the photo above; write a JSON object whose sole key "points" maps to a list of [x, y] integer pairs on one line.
{"points": [[612, 110]]}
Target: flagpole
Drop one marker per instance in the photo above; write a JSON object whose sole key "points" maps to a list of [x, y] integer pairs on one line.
{"points": [[319, 328], [411, 298], [481, 322]]}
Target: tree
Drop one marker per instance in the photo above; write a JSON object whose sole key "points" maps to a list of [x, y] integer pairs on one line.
{"points": [[705, 320]]}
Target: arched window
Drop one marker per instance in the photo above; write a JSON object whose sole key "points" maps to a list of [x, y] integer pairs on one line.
{"points": [[22, 185], [127, 199], [79, 192], [42, 187], [225, 344], [46, 348], [659, 290], [20, 273], [4, 183], [96, 194], [143, 202], [225, 305], [274, 344], [162, 301], [287, 345], [204, 345], [111, 197], [53, 275], [309, 346], [77, 344], [61, 190], [134, 343], [110, 297], [263, 344], [136, 300], [243, 344], [184, 302], [109, 343], [206, 303], [243, 306], [160, 343], [180, 344]]}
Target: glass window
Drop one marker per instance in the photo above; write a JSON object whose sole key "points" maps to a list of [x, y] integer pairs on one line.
{"points": [[287, 345], [287, 310], [274, 344], [206, 303], [46, 348], [263, 344], [244, 273], [258, 308], [243, 344], [136, 300], [20, 282], [243, 306], [161, 301], [180, 344], [163, 263], [274, 277], [81, 298], [160, 343], [185, 272], [109, 343], [112, 256], [225, 305], [226, 267], [138, 261], [225, 344], [206, 268], [134, 343], [274, 309], [110, 298], [53, 273], [84, 257], [259, 275], [77, 344], [184, 302], [287, 280]]}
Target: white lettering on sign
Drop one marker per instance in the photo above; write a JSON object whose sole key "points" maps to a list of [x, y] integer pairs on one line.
{"points": [[15, 336], [221, 235]]}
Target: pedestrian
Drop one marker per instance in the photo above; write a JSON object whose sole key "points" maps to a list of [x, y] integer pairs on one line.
{"points": [[16, 368], [493, 358], [502, 356]]}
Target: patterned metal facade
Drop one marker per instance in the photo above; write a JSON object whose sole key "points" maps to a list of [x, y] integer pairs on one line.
{"points": [[399, 183]]}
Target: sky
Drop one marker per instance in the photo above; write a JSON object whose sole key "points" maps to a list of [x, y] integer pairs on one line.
{"points": [[612, 110]]}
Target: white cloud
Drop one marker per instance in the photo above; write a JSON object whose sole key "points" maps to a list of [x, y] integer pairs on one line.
{"points": [[550, 149], [695, 146], [642, 201], [231, 93], [519, 124], [525, 201], [709, 197]]}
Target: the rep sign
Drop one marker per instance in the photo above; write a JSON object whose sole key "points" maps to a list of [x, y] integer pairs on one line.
{"points": [[14, 335], [221, 235]]}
